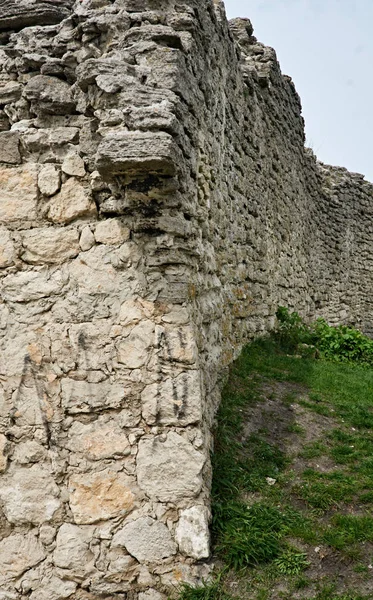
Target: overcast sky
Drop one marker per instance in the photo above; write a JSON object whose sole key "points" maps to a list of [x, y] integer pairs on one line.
{"points": [[326, 46]]}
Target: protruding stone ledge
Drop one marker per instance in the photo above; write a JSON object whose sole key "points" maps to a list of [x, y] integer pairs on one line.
{"points": [[16, 14], [131, 152]]}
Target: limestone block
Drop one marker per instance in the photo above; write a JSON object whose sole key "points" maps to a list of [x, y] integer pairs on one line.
{"points": [[9, 147], [10, 92], [50, 245], [98, 440], [111, 232], [54, 588], [87, 239], [101, 496], [3, 455], [29, 495], [84, 397], [71, 202], [192, 532], [133, 351], [72, 548], [159, 469], [29, 451], [16, 14], [73, 165], [7, 251], [18, 553], [49, 180], [50, 95], [174, 401], [178, 344], [135, 151], [18, 193], [32, 285], [146, 539]]}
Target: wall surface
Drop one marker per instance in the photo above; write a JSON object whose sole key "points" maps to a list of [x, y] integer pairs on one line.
{"points": [[157, 204]]}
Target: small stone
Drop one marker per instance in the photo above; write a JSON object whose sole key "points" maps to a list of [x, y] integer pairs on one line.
{"points": [[50, 245], [7, 251], [73, 165], [87, 239], [146, 539], [54, 588], [3, 455], [100, 496], [71, 202], [10, 92], [151, 594], [270, 480], [9, 147], [192, 532], [47, 533], [159, 468], [111, 232], [49, 180]]}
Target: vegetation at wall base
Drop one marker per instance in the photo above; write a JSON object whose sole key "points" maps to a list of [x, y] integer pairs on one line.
{"points": [[292, 490]]}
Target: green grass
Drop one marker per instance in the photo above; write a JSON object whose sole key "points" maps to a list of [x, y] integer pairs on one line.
{"points": [[265, 535]]}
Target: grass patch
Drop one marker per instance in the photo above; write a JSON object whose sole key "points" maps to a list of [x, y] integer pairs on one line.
{"points": [[290, 517]]}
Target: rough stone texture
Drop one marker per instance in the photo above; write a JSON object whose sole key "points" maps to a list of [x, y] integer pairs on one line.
{"points": [[157, 204], [146, 539]]}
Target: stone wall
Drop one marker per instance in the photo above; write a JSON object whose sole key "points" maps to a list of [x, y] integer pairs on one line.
{"points": [[157, 204]]}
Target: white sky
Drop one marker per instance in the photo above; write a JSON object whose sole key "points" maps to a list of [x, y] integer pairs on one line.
{"points": [[326, 46]]}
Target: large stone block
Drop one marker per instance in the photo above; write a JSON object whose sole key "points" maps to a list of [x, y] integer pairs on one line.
{"points": [[18, 193], [133, 351], [136, 151], [101, 496], [146, 539], [9, 147], [72, 548], [50, 245], [169, 468], [50, 95], [73, 201], [18, 553], [84, 397], [29, 495], [15, 14], [98, 440], [7, 251]]}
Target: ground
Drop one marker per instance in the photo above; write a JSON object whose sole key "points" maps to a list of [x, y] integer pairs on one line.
{"points": [[293, 480]]}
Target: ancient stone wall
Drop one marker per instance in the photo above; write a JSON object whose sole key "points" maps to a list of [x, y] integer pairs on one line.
{"points": [[157, 204]]}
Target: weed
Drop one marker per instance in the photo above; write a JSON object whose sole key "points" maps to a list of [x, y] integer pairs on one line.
{"points": [[291, 562]]}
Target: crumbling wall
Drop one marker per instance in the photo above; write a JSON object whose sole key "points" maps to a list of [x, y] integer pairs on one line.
{"points": [[157, 205]]}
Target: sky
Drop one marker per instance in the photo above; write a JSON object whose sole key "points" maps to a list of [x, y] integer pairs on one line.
{"points": [[326, 46]]}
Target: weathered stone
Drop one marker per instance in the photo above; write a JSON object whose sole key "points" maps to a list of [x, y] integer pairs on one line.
{"points": [[146, 539], [15, 14], [3, 453], [112, 232], [192, 532], [151, 594], [174, 401], [29, 452], [71, 202], [101, 496], [7, 251], [50, 95], [158, 468], [84, 397], [29, 495], [72, 548], [33, 285], [18, 553], [54, 588], [137, 152], [9, 147], [18, 193], [49, 180], [10, 92], [74, 165], [50, 245], [133, 351], [87, 239], [98, 440]]}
